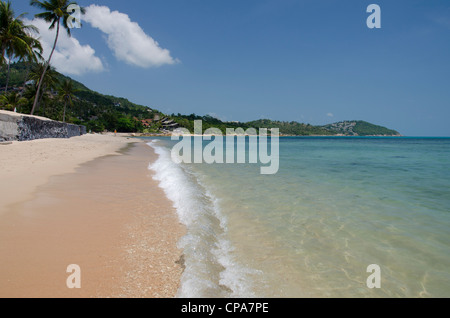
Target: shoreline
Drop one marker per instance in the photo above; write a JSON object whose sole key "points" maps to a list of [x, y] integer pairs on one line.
{"points": [[268, 135], [101, 210]]}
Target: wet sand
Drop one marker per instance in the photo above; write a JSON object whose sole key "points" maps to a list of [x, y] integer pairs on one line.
{"points": [[109, 217]]}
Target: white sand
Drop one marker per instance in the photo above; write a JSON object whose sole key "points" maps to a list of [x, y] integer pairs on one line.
{"points": [[28, 164]]}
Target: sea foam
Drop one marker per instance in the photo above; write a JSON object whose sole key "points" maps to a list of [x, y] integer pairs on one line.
{"points": [[210, 267]]}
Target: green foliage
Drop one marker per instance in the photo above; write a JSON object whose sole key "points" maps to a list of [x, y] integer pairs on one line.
{"points": [[359, 128], [12, 100], [98, 112], [54, 12], [363, 128], [95, 126], [290, 128], [124, 124], [285, 128], [15, 38], [16, 76]]}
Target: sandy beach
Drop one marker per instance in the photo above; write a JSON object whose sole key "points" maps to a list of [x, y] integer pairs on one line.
{"points": [[89, 201]]}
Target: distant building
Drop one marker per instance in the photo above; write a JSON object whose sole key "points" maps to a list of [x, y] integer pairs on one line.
{"points": [[168, 124], [147, 122]]}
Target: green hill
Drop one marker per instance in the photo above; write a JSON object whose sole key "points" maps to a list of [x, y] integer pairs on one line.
{"points": [[359, 128], [290, 128], [99, 112], [96, 111]]}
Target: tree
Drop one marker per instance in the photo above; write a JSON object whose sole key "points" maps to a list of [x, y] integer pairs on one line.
{"points": [[14, 36], [55, 13], [125, 124], [66, 93], [45, 79], [12, 101], [32, 56]]}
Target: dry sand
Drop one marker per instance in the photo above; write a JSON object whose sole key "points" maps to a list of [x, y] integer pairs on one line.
{"points": [[29, 164], [59, 207]]}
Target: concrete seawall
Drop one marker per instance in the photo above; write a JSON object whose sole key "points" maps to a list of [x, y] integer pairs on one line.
{"points": [[20, 127]]}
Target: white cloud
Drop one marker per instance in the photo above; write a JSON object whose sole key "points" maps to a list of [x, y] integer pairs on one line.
{"points": [[214, 115], [127, 39], [70, 57], [330, 115]]}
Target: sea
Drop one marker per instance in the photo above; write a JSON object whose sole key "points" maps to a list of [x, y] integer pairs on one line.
{"points": [[343, 217]]}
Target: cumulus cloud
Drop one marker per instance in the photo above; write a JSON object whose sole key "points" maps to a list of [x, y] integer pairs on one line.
{"points": [[70, 57], [127, 39], [330, 115]]}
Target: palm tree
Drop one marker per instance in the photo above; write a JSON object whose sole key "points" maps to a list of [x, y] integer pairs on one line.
{"points": [[14, 36], [55, 12], [33, 56], [6, 18], [47, 80], [12, 101], [37, 74], [66, 93]]}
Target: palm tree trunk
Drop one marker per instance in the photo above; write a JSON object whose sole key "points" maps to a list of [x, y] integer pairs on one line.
{"points": [[3, 54], [27, 74], [64, 116], [7, 76], [40, 99], [45, 70]]}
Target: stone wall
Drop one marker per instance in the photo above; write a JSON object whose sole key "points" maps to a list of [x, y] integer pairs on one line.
{"points": [[21, 127]]}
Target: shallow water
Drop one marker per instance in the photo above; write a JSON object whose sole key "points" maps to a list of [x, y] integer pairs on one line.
{"points": [[335, 206]]}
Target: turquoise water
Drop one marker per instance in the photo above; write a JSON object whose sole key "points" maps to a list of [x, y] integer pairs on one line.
{"points": [[335, 206]]}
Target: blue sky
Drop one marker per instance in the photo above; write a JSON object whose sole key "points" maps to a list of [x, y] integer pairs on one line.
{"points": [[312, 61]]}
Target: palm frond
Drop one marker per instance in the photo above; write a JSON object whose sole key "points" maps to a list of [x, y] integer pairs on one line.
{"points": [[40, 5]]}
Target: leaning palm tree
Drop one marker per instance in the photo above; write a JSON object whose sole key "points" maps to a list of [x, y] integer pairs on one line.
{"points": [[12, 101], [55, 13], [66, 93], [47, 80], [37, 74]]}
